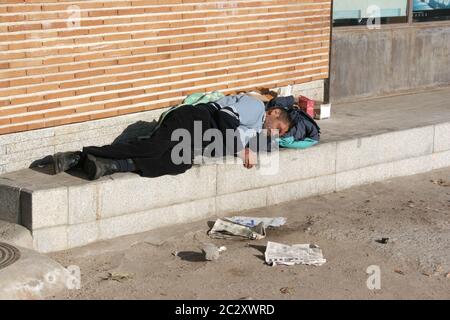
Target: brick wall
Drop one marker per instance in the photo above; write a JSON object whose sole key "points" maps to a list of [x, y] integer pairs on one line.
{"points": [[73, 61]]}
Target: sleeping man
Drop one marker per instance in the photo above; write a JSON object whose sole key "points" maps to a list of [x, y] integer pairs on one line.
{"points": [[232, 122]]}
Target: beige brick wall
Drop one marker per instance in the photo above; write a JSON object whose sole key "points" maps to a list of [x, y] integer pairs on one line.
{"points": [[64, 62]]}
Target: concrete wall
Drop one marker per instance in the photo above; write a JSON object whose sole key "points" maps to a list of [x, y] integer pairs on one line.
{"points": [[368, 63]]}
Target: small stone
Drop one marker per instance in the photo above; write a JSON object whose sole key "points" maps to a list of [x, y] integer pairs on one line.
{"points": [[382, 240], [441, 182], [287, 290], [211, 252]]}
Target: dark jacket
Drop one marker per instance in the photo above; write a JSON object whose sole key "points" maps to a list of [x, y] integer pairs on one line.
{"points": [[304, 126]]}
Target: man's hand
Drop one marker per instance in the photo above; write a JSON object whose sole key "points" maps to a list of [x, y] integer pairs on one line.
{"points": [[250, 158]]}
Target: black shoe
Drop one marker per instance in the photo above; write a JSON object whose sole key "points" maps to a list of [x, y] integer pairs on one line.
{"points": [[41, 163], [96, 167], [63, 161]]}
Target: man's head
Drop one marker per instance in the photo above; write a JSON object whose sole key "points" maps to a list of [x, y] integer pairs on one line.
{"points": [[277, 119]]}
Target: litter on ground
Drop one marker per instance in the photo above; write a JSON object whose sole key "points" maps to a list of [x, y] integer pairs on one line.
{"points": [[212, 252], [281, 254], [254, 221], [117, 276], [224, 229], [238, 227], [441, 182]]}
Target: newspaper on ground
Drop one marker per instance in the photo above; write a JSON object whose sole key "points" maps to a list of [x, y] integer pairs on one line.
{"points": [[224, 229], [281, 254], [254, 221]]}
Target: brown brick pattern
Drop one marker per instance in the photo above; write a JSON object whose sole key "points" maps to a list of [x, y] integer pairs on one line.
{"points": [[70, 61]]}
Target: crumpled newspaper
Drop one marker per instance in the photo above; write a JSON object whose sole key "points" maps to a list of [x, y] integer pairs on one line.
{"points": [[224, 229], [281, 254], [253, 228], [254, 221]]}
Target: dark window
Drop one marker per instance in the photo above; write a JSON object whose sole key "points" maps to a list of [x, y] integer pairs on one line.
{"points": [[369, 12], [431, 10]]}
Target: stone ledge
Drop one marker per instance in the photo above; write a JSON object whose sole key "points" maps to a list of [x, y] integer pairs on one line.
{"points": [[67, 211]]}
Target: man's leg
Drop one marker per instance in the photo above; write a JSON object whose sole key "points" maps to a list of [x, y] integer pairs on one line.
{"points": [[96, 167], [63, 161], [152, 157], [153, 147], [121, 152], [124, 157], [152, 168]]}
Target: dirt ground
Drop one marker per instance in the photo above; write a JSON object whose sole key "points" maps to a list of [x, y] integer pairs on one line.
{"points": [[413, 212]]}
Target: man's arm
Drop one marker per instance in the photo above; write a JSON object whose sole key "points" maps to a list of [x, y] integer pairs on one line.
{"points": [[228, 119], [249, 157]]}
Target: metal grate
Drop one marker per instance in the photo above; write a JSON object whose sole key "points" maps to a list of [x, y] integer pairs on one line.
{"points": [[8, 255]]}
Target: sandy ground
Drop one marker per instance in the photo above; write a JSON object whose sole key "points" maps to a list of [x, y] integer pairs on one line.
{"points": [[413, 212]]}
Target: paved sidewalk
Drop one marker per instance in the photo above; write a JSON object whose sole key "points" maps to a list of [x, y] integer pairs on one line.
{"points": [[376, 116], [413, 212]]}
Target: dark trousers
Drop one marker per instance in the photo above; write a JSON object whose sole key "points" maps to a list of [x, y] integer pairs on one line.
{"points": [[152, 156]]}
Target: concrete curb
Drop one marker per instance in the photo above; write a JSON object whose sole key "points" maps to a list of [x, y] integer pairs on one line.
{"points": [[65, 211]]}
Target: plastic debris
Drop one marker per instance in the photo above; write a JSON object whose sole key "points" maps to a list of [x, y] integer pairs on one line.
{"points": [[383, 240], [287, 290], [117, 276], [281, 254], [441, 182], [323, 112], [224, 229], [254, 221]]}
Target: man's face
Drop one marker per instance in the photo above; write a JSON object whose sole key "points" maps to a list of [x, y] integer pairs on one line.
{"points": [[273, 123]]}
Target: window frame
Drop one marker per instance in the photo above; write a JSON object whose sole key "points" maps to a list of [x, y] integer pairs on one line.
{"points": [[395, 20], [425, 21], [397, 25]]}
